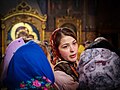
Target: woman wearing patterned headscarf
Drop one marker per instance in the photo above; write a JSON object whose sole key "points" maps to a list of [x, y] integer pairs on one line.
{"points": [[29, 69], [65, 48], [99, 67]]}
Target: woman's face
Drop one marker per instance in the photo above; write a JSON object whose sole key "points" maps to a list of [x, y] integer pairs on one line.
{"points": [[68, 48]]}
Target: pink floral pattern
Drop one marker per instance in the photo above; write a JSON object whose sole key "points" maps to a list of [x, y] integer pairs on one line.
{"points": [[41, 83], [36, 83]]}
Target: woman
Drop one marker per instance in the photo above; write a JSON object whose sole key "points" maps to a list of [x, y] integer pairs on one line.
{"points": [[10, 50], [99, 67], [29, 69], [65, 49]]}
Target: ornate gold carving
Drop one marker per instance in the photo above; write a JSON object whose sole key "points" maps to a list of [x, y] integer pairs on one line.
{"points": [[24, 9], [21, 14], [29, 28], [3, 26]]}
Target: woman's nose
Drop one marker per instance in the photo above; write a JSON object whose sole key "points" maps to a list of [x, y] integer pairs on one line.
{"points": [[71, 48]]}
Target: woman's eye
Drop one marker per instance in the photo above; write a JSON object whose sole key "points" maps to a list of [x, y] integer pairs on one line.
{"points": [[74, 43], [64, 47]]}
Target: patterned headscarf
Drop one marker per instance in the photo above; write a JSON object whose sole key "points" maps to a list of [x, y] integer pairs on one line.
{"points": [[29, 68], [99, 69], [52, 39]]}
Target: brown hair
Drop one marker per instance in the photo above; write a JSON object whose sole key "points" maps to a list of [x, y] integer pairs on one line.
{"points": [[56, 38]]}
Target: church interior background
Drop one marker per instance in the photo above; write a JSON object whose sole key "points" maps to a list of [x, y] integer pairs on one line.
{"points": [[88, 18]]}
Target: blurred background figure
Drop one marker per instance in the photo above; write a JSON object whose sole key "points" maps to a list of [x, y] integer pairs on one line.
{"points": [[87, 43], [81, 48]]}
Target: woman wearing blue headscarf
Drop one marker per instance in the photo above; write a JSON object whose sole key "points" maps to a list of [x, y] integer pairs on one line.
{"points": [[29, 69]]}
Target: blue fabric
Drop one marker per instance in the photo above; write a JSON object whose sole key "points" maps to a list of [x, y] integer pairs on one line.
{"points": [[28, 61]]}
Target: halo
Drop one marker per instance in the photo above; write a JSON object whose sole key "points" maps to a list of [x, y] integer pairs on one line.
{"points": [[34, 34], [14, 28]]}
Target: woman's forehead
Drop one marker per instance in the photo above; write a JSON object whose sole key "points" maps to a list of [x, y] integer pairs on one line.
{"points": [[66, 39]]}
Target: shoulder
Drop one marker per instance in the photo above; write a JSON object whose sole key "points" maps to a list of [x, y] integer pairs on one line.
{"points": [[62, 75], [64, 80]]}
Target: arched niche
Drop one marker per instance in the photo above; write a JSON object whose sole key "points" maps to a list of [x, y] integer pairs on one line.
{"points": [[71, 22], [22, 15], [70, 26]]}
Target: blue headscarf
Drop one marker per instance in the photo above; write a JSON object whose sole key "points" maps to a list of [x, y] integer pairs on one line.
{"points": [[28, 62]]}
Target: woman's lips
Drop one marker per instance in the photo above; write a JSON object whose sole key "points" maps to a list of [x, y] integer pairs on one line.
{"points": [[73, 56]]}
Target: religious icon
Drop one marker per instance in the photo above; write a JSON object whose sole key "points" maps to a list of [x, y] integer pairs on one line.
{"points": [[23, 30]]}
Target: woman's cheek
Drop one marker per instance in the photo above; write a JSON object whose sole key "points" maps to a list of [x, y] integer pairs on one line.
{"points": [[64, 54]]}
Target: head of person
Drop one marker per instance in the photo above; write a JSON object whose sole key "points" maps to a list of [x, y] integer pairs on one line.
{"points": [[87, 43], [22, 32], [9, 52], [100, 39], [29, 68], [99, 62], [64, 44]]}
